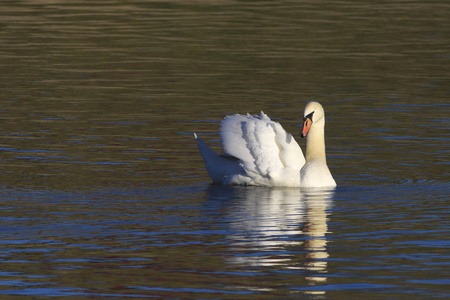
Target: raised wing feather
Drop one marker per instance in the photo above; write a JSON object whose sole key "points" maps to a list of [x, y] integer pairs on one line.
{"points": [[261, 144]]}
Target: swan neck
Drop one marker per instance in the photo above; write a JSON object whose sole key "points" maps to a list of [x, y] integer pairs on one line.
{"points": [[315, 143]]}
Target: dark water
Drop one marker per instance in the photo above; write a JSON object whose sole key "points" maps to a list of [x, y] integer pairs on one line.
{"points": [[104, 194]]}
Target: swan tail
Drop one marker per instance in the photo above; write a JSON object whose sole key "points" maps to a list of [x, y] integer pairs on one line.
{"points": [[219, 167], [207, 153]]}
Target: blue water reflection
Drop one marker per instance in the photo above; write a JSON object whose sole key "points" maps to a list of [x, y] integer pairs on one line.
{"points": [[223, 240], [282, 228]]}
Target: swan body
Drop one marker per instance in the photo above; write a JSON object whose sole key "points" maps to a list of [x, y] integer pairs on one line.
{"points": [[258, 151]]}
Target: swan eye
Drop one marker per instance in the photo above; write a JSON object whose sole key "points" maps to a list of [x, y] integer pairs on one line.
{"points": [[309, 116]]}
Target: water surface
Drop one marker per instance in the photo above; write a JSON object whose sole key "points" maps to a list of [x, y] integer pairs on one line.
{"points": [[103, 191]]}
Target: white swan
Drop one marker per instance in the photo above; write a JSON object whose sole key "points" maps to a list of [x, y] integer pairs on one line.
{"points": [[258, 151]]}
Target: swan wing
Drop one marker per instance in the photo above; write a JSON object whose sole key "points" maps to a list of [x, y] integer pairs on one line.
{"points": [[262, 145]]}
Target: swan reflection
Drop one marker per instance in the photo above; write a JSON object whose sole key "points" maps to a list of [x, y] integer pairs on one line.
{"points": [[315, 230], [277, 227]]}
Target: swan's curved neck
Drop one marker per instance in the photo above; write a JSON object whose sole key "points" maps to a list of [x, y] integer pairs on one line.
{"points": [[315, 142]]}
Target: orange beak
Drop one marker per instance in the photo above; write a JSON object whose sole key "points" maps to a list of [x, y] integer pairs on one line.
{"points": [[306, 127]]}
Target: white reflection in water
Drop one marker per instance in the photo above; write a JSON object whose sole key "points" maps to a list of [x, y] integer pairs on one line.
{"points": [[284, 228], [315, 230]]}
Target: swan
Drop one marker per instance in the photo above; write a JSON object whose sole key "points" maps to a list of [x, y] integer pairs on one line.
{"points": [[258, 151]]}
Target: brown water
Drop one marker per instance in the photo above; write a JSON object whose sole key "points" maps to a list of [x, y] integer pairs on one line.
{"points": [[104, 193]]}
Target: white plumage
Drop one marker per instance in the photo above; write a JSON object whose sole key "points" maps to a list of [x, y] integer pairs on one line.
{"points": [[258, 151]]}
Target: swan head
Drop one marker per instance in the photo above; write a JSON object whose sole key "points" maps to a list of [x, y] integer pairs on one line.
{"points": [[312, 114]]}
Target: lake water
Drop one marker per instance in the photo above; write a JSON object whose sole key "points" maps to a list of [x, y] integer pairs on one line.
{"points": [[103, 191]]}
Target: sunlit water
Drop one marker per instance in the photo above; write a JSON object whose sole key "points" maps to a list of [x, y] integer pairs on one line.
{"points": [[221, 242], [103, 191]]}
